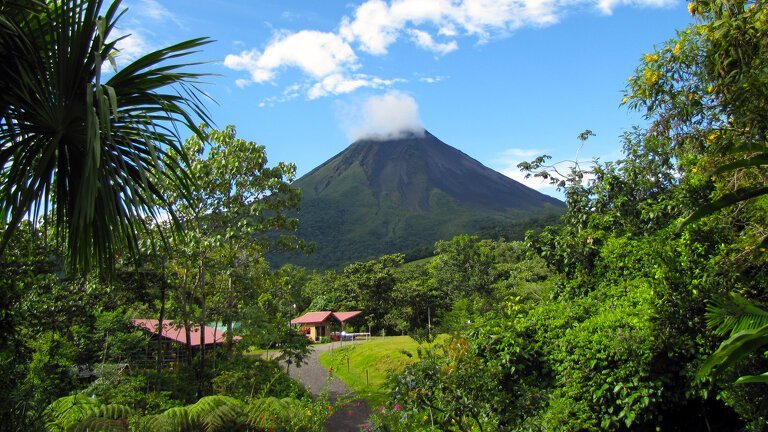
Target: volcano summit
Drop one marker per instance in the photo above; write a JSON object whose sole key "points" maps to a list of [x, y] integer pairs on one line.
{"points": [[386, 196]]}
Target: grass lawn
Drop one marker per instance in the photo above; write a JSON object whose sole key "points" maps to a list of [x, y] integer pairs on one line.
{"points": [[364, 366]]}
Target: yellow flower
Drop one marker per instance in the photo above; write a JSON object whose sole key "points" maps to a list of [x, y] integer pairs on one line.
{"points": [[651, 77], [623, 101], [692, 8], [649, 58], [712, 136], [677, 49], [710, 89]]}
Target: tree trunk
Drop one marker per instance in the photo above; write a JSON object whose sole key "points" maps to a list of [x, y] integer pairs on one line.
{"points": [[228, 318], [203, 311], [185, 311], [161, 319]]}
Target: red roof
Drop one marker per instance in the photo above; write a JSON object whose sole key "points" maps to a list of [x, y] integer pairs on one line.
{"points": [[178, 334], [312, 318], [343, 316], [319, 317]]}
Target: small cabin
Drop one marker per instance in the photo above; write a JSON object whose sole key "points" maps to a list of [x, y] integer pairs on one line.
{"points": [[174, 337], [316, 325]]}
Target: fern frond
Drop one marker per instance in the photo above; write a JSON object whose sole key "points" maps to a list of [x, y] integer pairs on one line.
{"points": [[735, 314], [100, 424], [111, 411], [68, 411], [172, 420], [218, 413]]}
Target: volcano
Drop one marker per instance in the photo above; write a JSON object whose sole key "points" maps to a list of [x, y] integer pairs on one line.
{"points": [[385, 196]]}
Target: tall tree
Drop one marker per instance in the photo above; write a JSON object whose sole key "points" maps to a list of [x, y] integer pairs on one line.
{"points": [[238, 209]]}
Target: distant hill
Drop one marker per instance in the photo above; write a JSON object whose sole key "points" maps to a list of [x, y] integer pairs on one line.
{"points": [[385, 196]]}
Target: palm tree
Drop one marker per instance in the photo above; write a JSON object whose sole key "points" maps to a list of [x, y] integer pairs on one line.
{"points": [[91, 154]]}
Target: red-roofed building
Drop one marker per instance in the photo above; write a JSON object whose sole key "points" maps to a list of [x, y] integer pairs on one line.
{"points": [[346, 316], [316, 325], [175, 333]]}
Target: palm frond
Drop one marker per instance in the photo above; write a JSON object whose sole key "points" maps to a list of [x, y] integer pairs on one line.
{"points": [[734, 349], [753, 379], [729, 199], [751, 161], [99, 155], [735, 314]]}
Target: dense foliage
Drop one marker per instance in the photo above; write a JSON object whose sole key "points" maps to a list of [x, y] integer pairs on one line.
{"points": [[660, 256], [643, 310]]}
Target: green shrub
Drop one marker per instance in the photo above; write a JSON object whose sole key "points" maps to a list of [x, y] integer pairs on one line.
{"points": [[132, 390], [249, 378]]}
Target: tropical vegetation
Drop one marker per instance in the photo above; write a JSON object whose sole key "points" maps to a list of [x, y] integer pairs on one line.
{"points": [[643, 309]]}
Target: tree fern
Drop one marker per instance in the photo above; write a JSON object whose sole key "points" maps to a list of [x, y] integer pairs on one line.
{"points": [[219, 413], [173, 420], [209, 414], [66, 412], [84, 413], [100, 424]]}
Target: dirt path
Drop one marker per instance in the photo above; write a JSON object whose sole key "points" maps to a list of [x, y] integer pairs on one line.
{"points": [[315, 377], [351, 416]]}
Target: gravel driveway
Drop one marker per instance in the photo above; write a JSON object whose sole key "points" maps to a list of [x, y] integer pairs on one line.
{"points": [[353, 415], [315, 377]]}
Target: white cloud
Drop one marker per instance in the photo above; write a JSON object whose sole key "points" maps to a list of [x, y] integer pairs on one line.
{"points": [[138, 37], [132, 46], [337, 84], [291, 92], [507, 164], [317, 54], [393, 114], [607, 6], [425, 40], [376, 24], [151, 9], [432, 79], [331, 61], [243, 83]]}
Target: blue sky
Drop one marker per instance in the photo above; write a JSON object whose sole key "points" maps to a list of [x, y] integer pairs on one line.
{"points": [[501, 80]]}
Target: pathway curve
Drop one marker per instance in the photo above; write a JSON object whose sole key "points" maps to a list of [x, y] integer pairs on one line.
{"points": [[353, 415], [315, 377]]}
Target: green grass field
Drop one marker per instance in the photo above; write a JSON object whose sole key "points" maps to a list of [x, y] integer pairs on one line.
{"points": [[364, 366]]}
